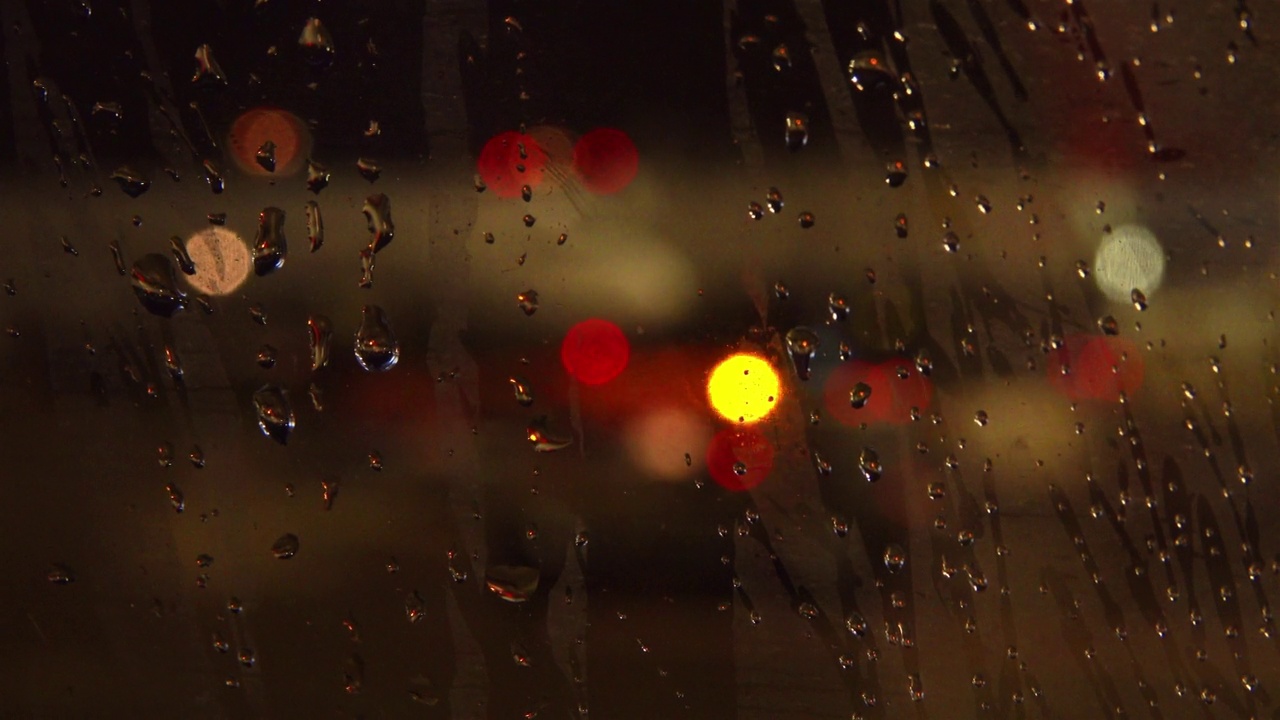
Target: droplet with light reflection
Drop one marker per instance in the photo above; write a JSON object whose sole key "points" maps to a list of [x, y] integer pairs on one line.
{"points": [[743, 388]]}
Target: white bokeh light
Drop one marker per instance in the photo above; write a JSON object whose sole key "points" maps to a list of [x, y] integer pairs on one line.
{"points": [[222, 261], [1130, 257]]}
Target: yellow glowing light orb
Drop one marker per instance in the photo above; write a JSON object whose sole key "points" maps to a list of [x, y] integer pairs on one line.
{"points": [[743, 388]]}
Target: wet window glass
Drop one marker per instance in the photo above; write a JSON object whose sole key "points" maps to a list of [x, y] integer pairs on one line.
{"points": [[732, 359]]}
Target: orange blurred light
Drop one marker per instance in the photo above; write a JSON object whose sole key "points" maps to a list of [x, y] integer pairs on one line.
{"points": [[743, 388], [255, 127]]}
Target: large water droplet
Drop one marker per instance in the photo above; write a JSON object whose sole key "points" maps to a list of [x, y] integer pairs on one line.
{"points": [[266, 357], [773, 199], [895, 174], [859, 395], [513, 583], [797, 131], [285, 547], [266, 156], [320, 338], [156, 286], [528, 301], [317, 176], [270, 247], [132, 182], [369, 169], [179, 248], [275, 414], [868, 70], [117, 256], [415, 608], [523, 393], [377, 349], [377, 211], [60, 574], [869, 464], [315, 224], [542, 440], [802, 345], [208, 71], [316, 43]]}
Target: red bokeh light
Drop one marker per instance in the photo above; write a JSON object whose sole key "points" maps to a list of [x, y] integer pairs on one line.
{"points": [[256, 126], [1097, 371], [896, 387], [595, 351], [500, 163], [605, 160], [744, 445]]}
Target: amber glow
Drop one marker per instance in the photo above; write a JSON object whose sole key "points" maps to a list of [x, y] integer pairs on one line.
{"points": [[743, 388]]}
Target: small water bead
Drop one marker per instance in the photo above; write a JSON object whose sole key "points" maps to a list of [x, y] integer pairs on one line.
{"points": [[773, 199], [285, 547], [528, 302], [895, 558], [895, 174], [859, 395], [266, 357]]}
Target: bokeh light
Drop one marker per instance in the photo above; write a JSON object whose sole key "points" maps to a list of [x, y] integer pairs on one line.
{"points": [[605, 160], [1130, 257], [743, 388], [664, 441], [222, 261], [509, 161], [896, 385], [740, 458], [595, 351], [256, 126], [1089, 367]]}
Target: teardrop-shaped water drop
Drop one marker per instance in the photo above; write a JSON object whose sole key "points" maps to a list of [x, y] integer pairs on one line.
{"points": [[275, 414], [319, 338], [523, 393], [181, 256], [172, 363], [208, 71], [117, 256], [377, 212], [315, 224], [270, 247], [156, 286], [802, 345], [316, 43], [377, 349], [869, 464]]}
